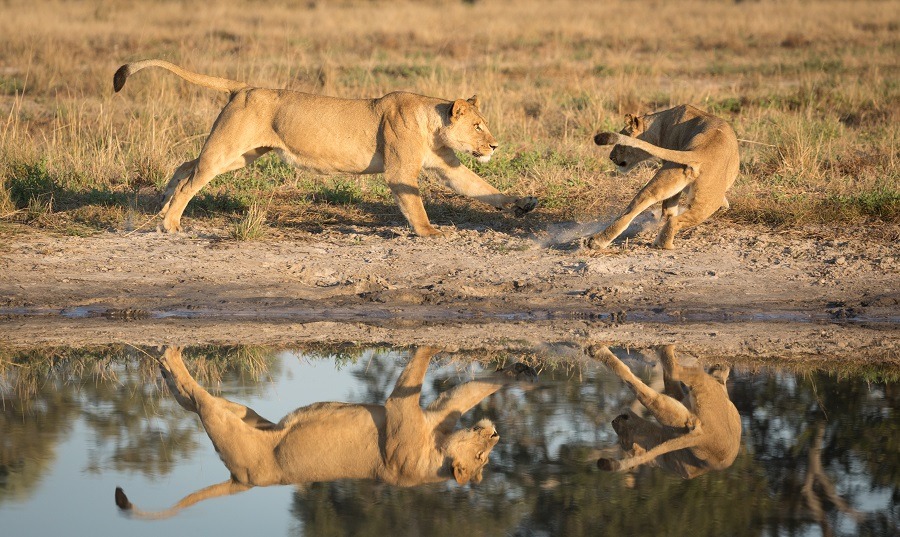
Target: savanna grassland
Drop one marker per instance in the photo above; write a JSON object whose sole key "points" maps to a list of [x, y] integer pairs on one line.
{"points": [[811, 87]]}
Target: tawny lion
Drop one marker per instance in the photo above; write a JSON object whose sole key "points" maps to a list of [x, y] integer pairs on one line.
{"points": [[397, 443], [697, 427], [398, 134], [700, 163]]}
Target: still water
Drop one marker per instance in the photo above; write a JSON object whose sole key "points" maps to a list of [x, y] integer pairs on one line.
{"points": [[818, 453]]}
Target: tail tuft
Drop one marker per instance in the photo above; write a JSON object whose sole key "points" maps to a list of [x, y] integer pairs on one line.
{"points": [[120, 77], [607, 465], [122, 500], [606, 138]]}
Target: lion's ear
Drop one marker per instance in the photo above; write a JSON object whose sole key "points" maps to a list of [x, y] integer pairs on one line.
{"points": [[474, 101], [458, 108], [636, 123], [720, 373], [461, 473]]}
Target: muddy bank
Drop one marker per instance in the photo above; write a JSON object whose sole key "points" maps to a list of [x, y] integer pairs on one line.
{"points": [[746, 291]]}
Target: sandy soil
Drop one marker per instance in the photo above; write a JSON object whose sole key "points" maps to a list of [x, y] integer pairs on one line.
{"points": [[740, 291]]}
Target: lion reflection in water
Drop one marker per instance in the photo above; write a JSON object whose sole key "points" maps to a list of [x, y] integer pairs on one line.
{"points": [[397, 443], [697, 427]]}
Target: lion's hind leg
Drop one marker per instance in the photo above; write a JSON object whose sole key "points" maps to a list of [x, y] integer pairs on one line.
{"points": [[187, 391], [242, 438], [667, 411], [177, 378], [182, 173], [640, 456], [213, 161], [700, 208], [668, 182], [690, 218]]}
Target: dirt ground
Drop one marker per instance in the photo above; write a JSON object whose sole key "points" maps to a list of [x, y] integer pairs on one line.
{"points": [[736, 291]]}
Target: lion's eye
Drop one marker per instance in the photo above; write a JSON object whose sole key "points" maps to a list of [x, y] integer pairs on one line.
{"points": [[478, 127]]}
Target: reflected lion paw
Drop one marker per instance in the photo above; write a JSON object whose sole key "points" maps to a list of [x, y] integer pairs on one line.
{"points": [[519, 371], [607, 465]]}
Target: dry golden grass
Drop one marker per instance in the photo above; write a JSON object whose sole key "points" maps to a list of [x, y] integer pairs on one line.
{"points": [[812, 87]]}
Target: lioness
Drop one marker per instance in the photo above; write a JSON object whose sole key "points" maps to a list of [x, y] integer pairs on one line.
{"points": [[397, 443], [398, 134], [698, 427], [700, 161]]}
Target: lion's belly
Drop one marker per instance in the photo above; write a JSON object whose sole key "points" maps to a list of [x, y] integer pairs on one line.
{"points": [[334, 162], [327, 135], [331, 441]]}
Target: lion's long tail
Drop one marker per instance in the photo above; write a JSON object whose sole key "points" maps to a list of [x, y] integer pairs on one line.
{"points": [[680, 442], [214, 82], [220, 489], [687, 158]]}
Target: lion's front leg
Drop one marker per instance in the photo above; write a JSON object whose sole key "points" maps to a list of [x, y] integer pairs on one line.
{"points": [[403, 180], [464, 181]]}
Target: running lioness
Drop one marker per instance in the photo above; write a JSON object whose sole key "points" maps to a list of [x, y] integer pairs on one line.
{"points": [[399, 134], [398, 443]]}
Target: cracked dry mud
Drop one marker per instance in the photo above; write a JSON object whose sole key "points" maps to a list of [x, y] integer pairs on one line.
{"points": [[735, 290]]}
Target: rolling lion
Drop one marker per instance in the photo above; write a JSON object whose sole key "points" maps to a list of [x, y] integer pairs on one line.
{"points": [[398, 443], [700, 163], [697, 427], [399, 134]]}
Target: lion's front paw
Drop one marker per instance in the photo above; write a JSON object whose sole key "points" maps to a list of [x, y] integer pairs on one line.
{"points": [[429, 231], [523, 206]]}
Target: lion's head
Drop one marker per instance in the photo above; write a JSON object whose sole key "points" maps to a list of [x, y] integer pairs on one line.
{"points": [[625, 158], [468, 450], [467, 131]]}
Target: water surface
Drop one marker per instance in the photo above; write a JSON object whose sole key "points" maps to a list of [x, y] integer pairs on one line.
{"points": [[820, 453]]}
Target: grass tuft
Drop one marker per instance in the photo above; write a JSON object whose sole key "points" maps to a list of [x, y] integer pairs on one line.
{"points": [[252, 225]]}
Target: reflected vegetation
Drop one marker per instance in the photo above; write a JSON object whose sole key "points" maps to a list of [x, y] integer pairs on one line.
{"points": [[818, 451]]}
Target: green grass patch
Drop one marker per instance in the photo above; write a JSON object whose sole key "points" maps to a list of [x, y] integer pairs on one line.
{"points": [[339, 191], [882, 203], [28, 181], [211, 203]]}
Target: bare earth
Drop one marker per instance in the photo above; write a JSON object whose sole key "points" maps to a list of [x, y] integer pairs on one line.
{"points": [[736, 291]]}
